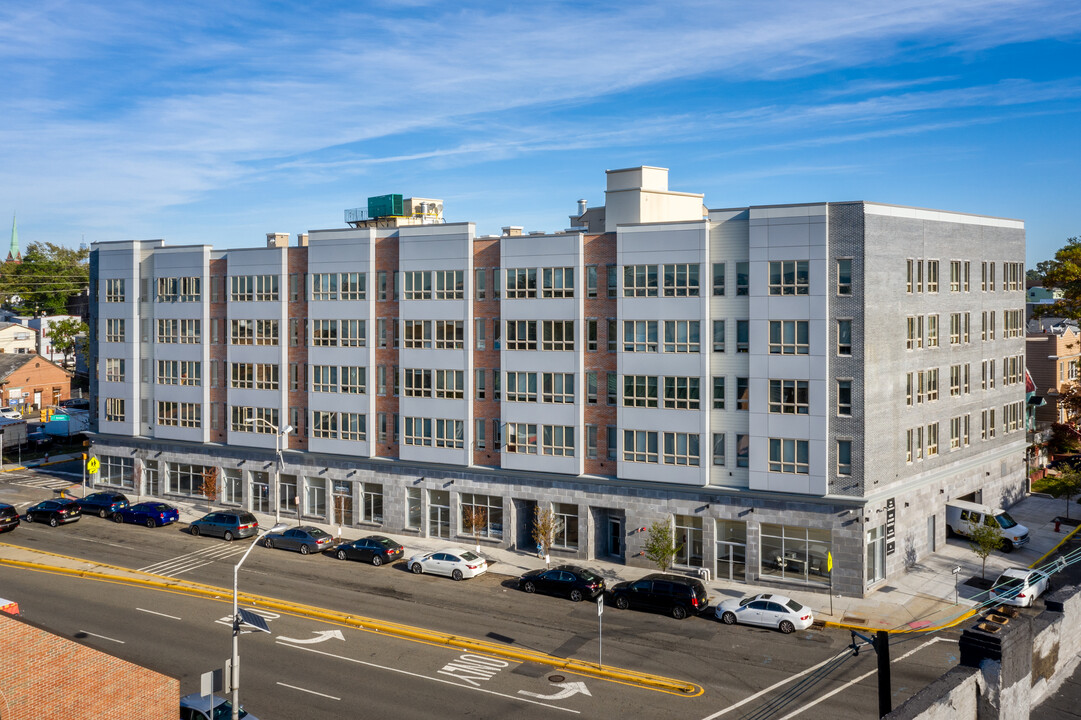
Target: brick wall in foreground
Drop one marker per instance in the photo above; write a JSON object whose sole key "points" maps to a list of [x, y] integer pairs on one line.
{"points": [[47, 677]]}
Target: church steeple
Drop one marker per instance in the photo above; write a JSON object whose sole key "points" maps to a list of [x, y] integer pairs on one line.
{"points": [[14, 255]]}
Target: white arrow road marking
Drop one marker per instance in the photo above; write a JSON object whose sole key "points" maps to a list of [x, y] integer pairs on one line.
{"points": [[320, 637], [569, 689]]}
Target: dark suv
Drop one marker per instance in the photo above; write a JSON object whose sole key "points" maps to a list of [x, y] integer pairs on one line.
{"points": [[675, 594], [228, 524], [9, 517]]}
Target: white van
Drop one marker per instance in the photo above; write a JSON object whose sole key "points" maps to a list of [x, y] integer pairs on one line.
{"points": [[959, 513]]}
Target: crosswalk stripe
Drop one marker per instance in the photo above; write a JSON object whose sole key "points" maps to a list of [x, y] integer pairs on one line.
{"points": [[193, 560], [46, 483]]}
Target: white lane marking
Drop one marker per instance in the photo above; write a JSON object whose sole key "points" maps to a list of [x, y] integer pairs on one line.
{"points": [[774, 686], [569, 688], [154, 612], [87, 632], [320, 636], [193, 560], [861, 678], [294, 687], [428, 677]]}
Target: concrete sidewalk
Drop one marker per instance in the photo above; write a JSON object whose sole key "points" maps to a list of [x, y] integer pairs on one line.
{"points": [[928, 595]]}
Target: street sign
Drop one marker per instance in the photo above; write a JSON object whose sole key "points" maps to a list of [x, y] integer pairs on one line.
{"points": [[93, 465], [600, 605], [829, 561]]}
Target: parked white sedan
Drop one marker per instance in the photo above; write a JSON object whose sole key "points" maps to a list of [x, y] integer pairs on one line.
{"points": [[456, 563], [768, 610], [1018, 586]]}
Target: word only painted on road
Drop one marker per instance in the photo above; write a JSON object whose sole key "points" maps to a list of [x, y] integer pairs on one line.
{"points": [[471, 668]]}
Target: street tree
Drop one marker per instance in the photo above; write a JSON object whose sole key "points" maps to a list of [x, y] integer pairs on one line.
{"points": [[69, 336], [475, 519], [48, 276], [661, 547], [1066, 484], [984, 538], [1063, 273], [545, 527], [209, 487]]}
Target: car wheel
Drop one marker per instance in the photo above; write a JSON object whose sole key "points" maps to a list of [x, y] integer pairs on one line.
{"points": [[150, 523], [576, 595], [118, 518], [622, 603], [679, 612], [194, 530], [29, 517], [728, 617], [377, 560], [103, 513], [53, 522], [786, 626], [416, 568], [304, 550], [268, 543], [529, 587], [1007, 546], [228, 536], [457, 574], [341, 554]]}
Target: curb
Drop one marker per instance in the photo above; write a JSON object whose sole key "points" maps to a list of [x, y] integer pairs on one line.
{"points": [[581, 667]]}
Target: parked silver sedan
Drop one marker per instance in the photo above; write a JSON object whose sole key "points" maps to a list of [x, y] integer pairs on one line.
{"points": [[306, 539], [455, 563], [766, 609]]}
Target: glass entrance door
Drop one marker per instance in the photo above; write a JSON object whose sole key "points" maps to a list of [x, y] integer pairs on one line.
{"points": [[615, 537]]}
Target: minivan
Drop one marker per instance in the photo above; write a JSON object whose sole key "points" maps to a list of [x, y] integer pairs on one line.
{"points": [[960, 513], [228, 524], [674, 594]]}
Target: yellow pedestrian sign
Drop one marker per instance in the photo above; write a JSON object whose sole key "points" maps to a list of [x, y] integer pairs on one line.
{"points": [[829, 562], [93, 465]]}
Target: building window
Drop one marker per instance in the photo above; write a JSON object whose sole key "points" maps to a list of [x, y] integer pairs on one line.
{"points": [[639, 336], [352, 333], [522, 283], [558, 282], [844, 276], [681, 336], [612, 439], [844, 457], [743, 451], [640, 281], [743, 278], [612, 272], [168, 331], [743, 332], [114, 370], [844, 398], [789, 337], [718, 279], [558, 440], [521, 387], [559, 388], [418, 285], [114, 290], [325, 378], [479, 438], [354, 379], [932, 276], [718, 336], [932, 440], [566, 522], [449, 334], [482, 515], [114, 330], [681, 280], [613, 335], [718, 392], [324, 286], [558, 335], [591, 281], [591, 387], [743, 397], [788, 456], [114, 409], [449, 433], [844, 337], [522, 438], [788, 397], [640, 391], [718, 449], [449, 284], [450, 384], [612, 384], [591, 335], [325, 425], [253, 419], [325, 333], [591, 442], [418, 382], [253, 288], [640, 446], [681, 393], [789, 277], [522, 335], [418, 431], [681, 449]]}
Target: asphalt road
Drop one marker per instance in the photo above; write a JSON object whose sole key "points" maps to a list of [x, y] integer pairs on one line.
{"points": [[740, 669]]}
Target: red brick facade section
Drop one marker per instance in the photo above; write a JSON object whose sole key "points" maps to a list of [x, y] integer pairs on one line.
{"points": [[46, 677], [219, 394], [298, 352], [486, 258], [600, 250], [386, 259], [38, 375]]}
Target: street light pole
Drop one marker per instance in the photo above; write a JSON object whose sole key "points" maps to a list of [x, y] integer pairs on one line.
{"points": [[235, 666], [278, 436]]}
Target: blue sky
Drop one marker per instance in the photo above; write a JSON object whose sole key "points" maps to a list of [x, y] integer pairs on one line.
{"points": [[219, 122]]}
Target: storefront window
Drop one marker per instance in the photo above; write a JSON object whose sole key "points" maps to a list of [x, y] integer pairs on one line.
{"points": [[315, 497], [230, 490], [439, 513], [117, 471], [689, 540], [876, 554], [485, 512], [372, 512], [731, 549], [795, 553], [287, 493], [566, 534], [414, 511]]}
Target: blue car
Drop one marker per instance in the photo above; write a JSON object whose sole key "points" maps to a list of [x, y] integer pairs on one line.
{"points": [[102, 504], [151, 514]]}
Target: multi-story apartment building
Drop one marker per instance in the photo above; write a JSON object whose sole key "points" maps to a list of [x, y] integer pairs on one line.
{"points": [[779, 383], [1053, 358]]}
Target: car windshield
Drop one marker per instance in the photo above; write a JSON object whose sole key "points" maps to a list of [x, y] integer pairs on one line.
{"points": [[317, 533], [247, 518], [587, 575], [1007, 584], [746, 600], [469, 556], [388, 543], [794, 606], [1005, 520]]}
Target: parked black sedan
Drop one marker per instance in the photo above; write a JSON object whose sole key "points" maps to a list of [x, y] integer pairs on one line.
{"points": [[54, 512], [9, 517], [102, 504], [566, 580], [306, 539], [375, 549]]}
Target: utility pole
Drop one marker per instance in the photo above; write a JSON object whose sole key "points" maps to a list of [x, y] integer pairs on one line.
{"points": [[881, 645]]}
